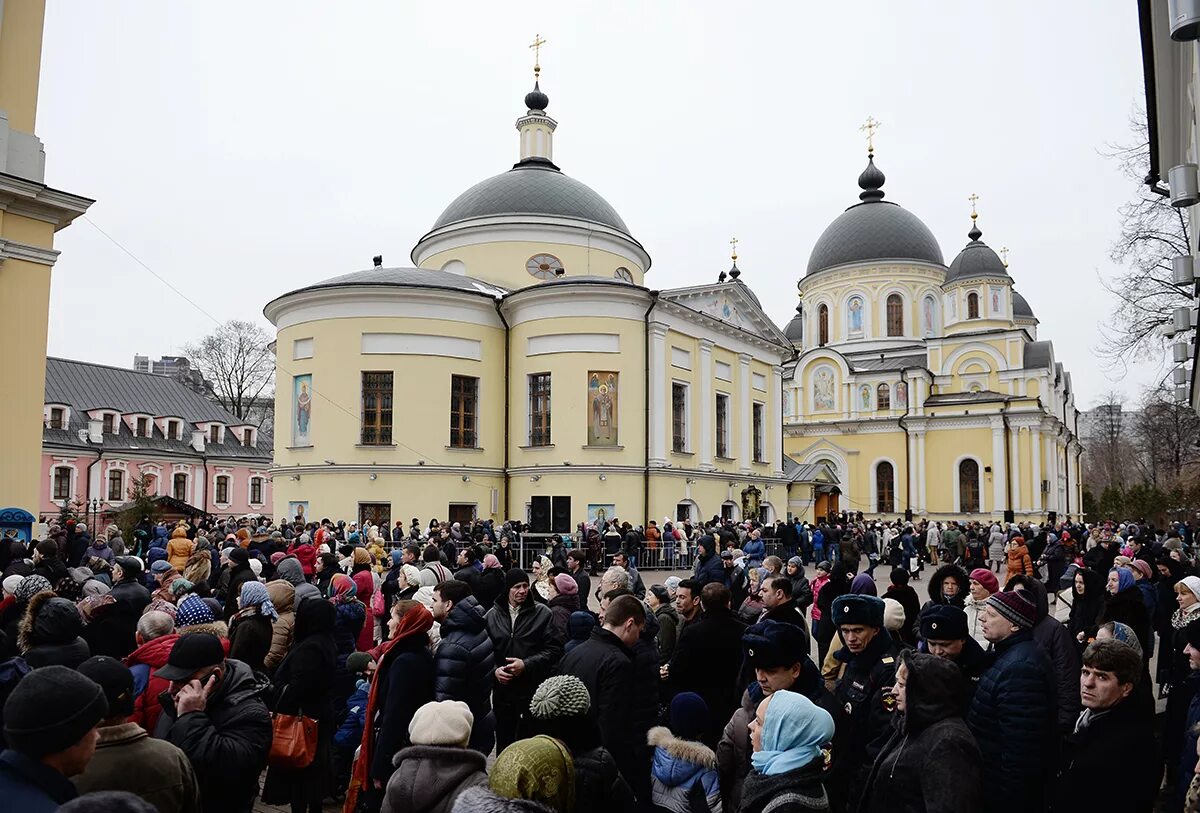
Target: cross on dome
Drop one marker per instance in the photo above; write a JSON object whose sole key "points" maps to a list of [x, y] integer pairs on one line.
{"points": [[869, 127]]}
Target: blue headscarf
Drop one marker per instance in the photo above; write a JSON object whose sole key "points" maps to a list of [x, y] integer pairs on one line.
{"points": [[1124, 578], [793, 732], [397, 557], [254, 594]]}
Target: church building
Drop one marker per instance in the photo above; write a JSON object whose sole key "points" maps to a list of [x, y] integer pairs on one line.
{"points": [[924, 388]]}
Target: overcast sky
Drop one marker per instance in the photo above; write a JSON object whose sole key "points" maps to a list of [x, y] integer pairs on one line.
{"points": [[242, 149]]}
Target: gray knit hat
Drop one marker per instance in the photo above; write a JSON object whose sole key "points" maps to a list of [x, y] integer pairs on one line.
{"points": [[560, 696], [50, 710]]}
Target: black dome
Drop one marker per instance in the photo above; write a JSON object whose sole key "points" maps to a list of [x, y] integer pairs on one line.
{"points": [[535, 99], [976, 260], [532, 187], [1021, 306], [794, 330], [874, 230]]}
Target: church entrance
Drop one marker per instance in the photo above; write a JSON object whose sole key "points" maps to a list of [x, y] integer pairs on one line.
{"points": [[463, 513], [377, 513]]}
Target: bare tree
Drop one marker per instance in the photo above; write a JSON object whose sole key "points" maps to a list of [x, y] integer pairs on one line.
{"points": [[1108, 447], [1168, 434], [1152, 232], [236, 358]]}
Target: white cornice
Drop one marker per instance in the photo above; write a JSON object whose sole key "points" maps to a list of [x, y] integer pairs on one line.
{"points": [[352, 302], [12, 250], [576, 299], [33, 199], [691, 322], [530, 228]]}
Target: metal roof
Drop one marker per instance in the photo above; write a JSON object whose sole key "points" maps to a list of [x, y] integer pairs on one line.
{"points": [[406, 277], [982, 396], [874, 230], [874, 364], [1037, 355], [976, 260], [1021, 306]]}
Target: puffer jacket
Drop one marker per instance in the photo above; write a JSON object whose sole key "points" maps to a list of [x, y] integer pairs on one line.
{"points": [[599, 786], [283, 596], [1013, 719], [709, 567], [464, 668], [755, 551], [678, 767], [147, 686], [930, 761], [306, 555], [428, 778], [49, 633], [1054, 639], [158, 547], [347, 623], [179, 549], [227, 744], [1018, 562]]}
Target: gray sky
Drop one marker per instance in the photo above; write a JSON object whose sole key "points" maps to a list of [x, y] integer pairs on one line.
{"points": [[245, 149]]}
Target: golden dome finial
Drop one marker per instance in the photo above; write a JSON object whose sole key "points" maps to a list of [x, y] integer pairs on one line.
{"points": [[536, 46], [733, 241], [869, 127], [973, 199]]}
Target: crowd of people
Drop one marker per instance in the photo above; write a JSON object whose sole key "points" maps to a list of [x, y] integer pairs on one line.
{"points": [[201, 666]]}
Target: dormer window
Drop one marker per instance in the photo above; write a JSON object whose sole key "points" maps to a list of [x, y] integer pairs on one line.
{"points": [[58, 418], [248, 437], [143, 427], [173, 430], [214, 434], [110, 423]]}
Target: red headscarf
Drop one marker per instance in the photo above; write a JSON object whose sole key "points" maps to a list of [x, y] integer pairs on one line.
{"points": [[416, 621]]}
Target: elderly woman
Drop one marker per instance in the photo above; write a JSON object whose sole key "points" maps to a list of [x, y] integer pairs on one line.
{"points": [[250, 629], [787, 734], [541, 579], [1124, 603], [539, 769], [350, 615]]}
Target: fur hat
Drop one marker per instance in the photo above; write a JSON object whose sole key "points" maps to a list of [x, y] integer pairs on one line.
{"points": [[943, 622], [445, 722], [856, 608]]}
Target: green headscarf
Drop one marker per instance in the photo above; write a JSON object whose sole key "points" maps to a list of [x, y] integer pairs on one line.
{"points": [[539, 769]]}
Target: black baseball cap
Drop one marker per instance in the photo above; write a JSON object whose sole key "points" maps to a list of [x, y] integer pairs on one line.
{"points": [[115, 679], [130, 564], [190, 654]]}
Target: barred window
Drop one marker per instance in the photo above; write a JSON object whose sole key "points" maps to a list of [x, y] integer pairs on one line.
{"points": [[464, 411], [376, 408], [539, 409], [678, 417]]}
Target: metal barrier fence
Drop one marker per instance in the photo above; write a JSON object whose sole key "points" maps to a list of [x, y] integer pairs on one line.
{"points": [[660, 555]]}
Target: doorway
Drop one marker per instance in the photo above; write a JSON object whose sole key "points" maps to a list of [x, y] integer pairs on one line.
{"points": [[462, 513], [376, 513]]}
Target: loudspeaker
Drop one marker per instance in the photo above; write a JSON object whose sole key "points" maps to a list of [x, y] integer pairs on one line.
{"points": [[1052, 517], [560, 515], [1009, 516], [539, 515]]}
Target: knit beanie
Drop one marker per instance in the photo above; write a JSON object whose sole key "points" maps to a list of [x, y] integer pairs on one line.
{"points": [[986, 578], [514, 577], [661, 593], [1017, 609], [893, 615], [411, 574], [10, 585], [50, 710], [445, 722], [30, 586], [256, 566], [565, 585], [560, 696], [688, 716], [357, 663]]}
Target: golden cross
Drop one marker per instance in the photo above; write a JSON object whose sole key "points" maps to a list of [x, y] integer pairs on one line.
{"points": [[1004, 255], [733, 241], [973, 200], [536, 45], [869, 127]]}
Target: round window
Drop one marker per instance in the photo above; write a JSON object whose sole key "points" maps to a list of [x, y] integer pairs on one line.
{"points": [[623, 273], [544, 266]]}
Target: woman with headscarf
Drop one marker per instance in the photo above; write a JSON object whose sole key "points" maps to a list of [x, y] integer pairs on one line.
{"points": [[303, 685], [1175, 673], [26, 589], [539, 769], [787, 734], [540, 583], [490, 583], [364, 580], [326, 566], [402, 683], [1124, 603], [250, 628], [1087, 605], [350, 615], [105, 627]]}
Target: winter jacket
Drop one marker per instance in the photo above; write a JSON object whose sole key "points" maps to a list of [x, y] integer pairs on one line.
{"points": [[490, 586], [605, 665], [1013, 719], [668, 631], [1063, 651], [238, 575], [930, 762], [349, 733], [802, 592], [364, 580], [974, 611], [250, 636], [283, 596], [428, 778], [28, 786], [1019, 563], [1086, 609], [306, 554], [599, 786], [227, 743], [348, 621], [1087, 757], [682, 771], [937, 585], [579, 629], [1128, 608], [147, 686], [464, 668], [99, 549], [707, 661], [404, 683], [796, 791], [862, 718], [179, 549], [561, 608], [49, 633], [129, 759], [709, 567], [789, 613], [134, 596], [755, 551], [532, 639]]}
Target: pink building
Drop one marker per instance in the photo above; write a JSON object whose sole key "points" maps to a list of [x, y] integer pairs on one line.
{"points": [[105, 426]]}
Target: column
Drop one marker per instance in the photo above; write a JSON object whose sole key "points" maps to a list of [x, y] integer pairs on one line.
{"points": [[775, 428], [1035, 469], [999, 470], [657, 397], [705, 405], [920, 507], [1052, 473], [1014, 476], [746, 424]]}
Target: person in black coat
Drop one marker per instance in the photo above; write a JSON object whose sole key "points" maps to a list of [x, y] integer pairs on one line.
{"points": [[491, 582], [577, 569], [931, 760], [709, 568], [251, 629], [1087, 604], [1112, 722], [1056, 642], [526, 649], [127, 588], [1013, 712], [465, 663], [948, 585], [303, 685], [239, 573], [708, 658], [1125, 604], [839, 584], [900, 590], [49, 633]]}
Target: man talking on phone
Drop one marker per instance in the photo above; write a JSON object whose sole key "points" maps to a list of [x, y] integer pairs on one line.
{"points": [[214, 713]]}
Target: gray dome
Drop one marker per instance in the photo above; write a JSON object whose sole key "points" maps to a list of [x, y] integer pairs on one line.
{"points": [[976, 260], [406, 278], [1021, 306], [874, 230], [532, 187], [794, 330]]}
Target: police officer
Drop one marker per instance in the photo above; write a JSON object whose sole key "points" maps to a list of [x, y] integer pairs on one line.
{"points": [[943, 630]]}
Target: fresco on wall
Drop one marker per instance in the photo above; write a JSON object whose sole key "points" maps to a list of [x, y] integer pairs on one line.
{"points": [[602, 408], [927, 316], [864, 396], [823, 389], [855, 309], [298, 511], [901, 395], [597, 515], [301, 409]]}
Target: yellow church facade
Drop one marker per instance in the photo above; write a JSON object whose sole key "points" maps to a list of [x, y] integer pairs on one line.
{"points": [[923, 386], [522, 369], [30, 214]]}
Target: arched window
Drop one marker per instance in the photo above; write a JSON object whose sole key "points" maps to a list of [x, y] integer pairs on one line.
{"points": [[883, 397], [822, 326], [968, 486], [972, 305], [895, 315], [885, 488]]}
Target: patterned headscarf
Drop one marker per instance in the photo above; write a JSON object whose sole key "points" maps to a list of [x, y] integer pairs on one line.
{"points": [[342, 588], [254, 594], [539, 769], [490, 562], [89, 605], [193, 610], [30, 586]]}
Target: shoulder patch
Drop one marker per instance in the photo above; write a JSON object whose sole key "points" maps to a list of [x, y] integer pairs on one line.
{"points": [[888, 659]]}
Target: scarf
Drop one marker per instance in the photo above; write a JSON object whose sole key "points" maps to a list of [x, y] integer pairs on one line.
{"points": [[255, 595], [416, 621], [1124, 578], [342, 589], [89, 605], [793, 732], [539, 769], [490, 562]]}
